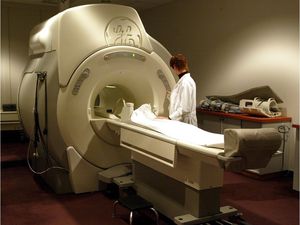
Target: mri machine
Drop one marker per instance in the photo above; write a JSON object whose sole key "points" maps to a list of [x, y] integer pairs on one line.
{"points": [[90, 68]]}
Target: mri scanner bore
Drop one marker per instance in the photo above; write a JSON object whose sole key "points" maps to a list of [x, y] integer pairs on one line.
{"points": [[76, 100]]}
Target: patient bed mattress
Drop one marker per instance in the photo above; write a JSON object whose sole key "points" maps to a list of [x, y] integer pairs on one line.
{"points": [[143, 116]]}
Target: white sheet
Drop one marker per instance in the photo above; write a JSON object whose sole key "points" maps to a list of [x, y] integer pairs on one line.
{"points": [[176, 129]]}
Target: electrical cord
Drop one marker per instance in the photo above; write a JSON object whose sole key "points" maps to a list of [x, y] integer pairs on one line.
{"points": [[44, 171], [38, 134], [284, 130]]}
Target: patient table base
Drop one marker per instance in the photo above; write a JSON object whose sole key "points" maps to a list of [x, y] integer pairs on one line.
{"points": [[188, 219], [178, 201]]}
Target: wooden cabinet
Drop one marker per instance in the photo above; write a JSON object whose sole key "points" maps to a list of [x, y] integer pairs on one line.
{"points": [[216, 122]]}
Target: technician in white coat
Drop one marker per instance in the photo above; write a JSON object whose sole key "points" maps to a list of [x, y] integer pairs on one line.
{"points": [[183, 96]]}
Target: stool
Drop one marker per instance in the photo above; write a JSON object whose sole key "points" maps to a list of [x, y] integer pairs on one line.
{"points": [[134, 203], [125, 184]]}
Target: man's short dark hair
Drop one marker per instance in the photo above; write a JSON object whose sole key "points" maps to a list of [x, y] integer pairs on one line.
{"points": [[179, 61]]}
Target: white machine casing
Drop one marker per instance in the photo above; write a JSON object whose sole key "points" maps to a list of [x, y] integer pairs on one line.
{"points": [[93, 55]]}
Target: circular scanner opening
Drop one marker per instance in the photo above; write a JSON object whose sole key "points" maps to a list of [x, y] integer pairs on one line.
{"points": [[110, 100]]}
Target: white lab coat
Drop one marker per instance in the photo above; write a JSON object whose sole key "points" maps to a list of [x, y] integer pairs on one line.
{"points": [[183, 101]]}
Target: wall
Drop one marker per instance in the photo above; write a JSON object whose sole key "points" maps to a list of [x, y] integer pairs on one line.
{"points": [[234, 45], [16, 22]]}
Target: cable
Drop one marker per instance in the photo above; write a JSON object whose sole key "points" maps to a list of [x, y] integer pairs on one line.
{"points": [[283, 129], [44, 171], [38, 134]]}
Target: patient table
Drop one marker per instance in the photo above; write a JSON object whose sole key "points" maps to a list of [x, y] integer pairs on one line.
{"points": [[183, 174]]}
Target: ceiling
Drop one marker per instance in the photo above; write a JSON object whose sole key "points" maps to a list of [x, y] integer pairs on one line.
{"points": [[137, 4]]}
